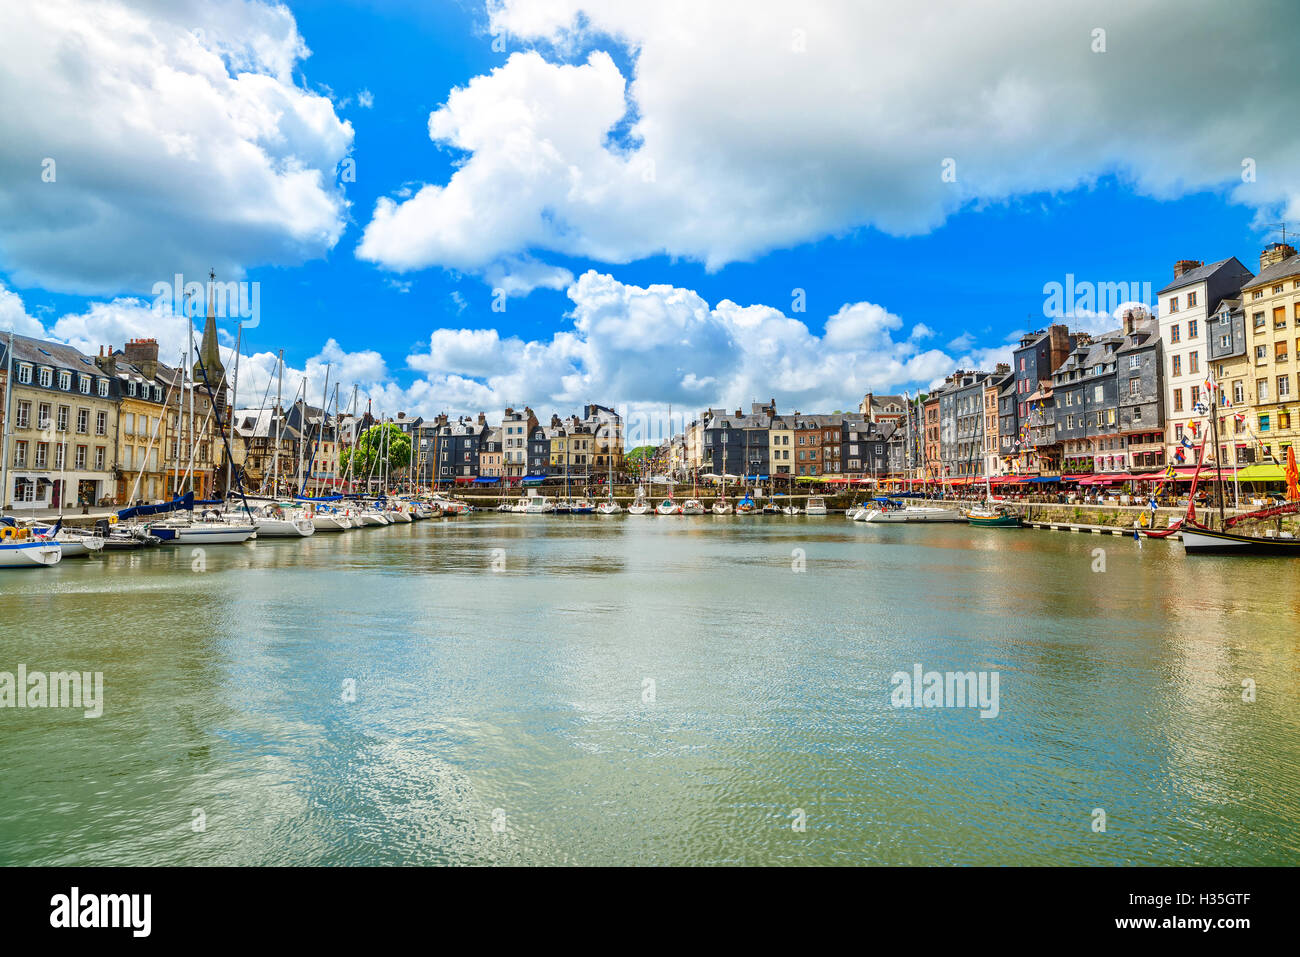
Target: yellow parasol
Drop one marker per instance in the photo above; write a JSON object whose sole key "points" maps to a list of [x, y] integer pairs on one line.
{"points": [[1292, 476]]}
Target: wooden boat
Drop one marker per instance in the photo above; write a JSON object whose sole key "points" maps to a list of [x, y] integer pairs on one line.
{"points": [[1230, 538], [993, 516]]}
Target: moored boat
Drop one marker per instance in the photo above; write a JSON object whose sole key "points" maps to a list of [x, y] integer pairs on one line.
{"points": [[23, 548], [815, 506]]}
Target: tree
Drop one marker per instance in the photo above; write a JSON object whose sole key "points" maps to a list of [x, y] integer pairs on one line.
{"points": [[365, 456]]}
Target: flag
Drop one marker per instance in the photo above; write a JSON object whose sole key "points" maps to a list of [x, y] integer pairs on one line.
{"points": [[1210, 384], [1196, 427], [1239, 416], [1187, 443], [1178, 454]]}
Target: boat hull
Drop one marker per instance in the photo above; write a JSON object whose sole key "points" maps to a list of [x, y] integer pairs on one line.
{"points": [[996, 521], [1203, 541], [284, 528], [218, 533], [37, 554], [909, 516]]}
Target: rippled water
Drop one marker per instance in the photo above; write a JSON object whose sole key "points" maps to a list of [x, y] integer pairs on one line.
{"points": [[514, 698]]}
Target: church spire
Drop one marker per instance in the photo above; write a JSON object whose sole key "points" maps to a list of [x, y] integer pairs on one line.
{"points": [[209, 367]]}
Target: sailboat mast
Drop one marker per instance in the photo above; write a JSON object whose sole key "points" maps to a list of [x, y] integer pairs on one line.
{"points": [[1218, 459], [234, 402], [275, 454]]}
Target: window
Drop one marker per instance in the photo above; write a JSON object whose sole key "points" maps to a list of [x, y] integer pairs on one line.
{"points": [[43, 416], [1258, 320], [1178, 365], [62, 424], [1173, 307], [130, 387], [60, 451], [1279, 351], [42, 455], [1279, 317], [47, 378], [101, 423], [1174, 334], [83, 383], [20, 455], [65, 381], [1261, 390], [1263, 423], [83, 421], [80, 460], [1261, 353], [1178, 400], [1192, 324], [1225, 341], [1195, 394], [99, 458], [1277, 289], [103, 388], [23, 416], [1283, 386], [24, 374], [1193, 363], [1238, 392], [1134, 386]]}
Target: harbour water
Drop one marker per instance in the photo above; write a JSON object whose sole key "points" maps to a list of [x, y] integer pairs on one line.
{"points": [[574, 689]]}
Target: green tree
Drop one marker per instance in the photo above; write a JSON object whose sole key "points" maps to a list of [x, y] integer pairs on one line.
{"points": [[365, 456]]}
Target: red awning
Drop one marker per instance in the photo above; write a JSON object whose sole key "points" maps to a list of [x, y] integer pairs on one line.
{"points": [[465, 479]]}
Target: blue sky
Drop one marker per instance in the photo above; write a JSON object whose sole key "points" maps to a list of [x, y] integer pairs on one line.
{"points": [[808, 172]]}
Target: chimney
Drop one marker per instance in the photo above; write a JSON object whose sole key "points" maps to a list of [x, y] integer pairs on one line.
{"points": [[1185, 265], [482, 419], [106, 361], [1003, 368], [1275, 253], [509, 412]]}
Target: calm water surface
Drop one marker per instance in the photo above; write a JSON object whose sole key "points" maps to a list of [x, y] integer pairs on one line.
{"points": [[515, 698]]}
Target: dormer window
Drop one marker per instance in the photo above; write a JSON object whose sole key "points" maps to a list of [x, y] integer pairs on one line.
{"points": [[46, 378], [83, 383], [103, 388], [24, 374], [65, 381]]}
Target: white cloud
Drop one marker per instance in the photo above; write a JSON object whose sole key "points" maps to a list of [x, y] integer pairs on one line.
{"points": [[648, 347], [749, 125], [179, 140], [14, 317]]}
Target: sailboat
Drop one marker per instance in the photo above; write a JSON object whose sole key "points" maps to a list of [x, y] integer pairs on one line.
{"points": [[990, 514], [1200, 539], [609, 506], [693, 506], [24, 548]]}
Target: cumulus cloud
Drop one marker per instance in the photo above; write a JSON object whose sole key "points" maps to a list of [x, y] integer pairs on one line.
{"points": [[749, 125], [138, 140], [646, 347]]}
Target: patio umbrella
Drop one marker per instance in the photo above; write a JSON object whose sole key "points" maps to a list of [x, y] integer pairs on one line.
{"points": [[1292, 476]]}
